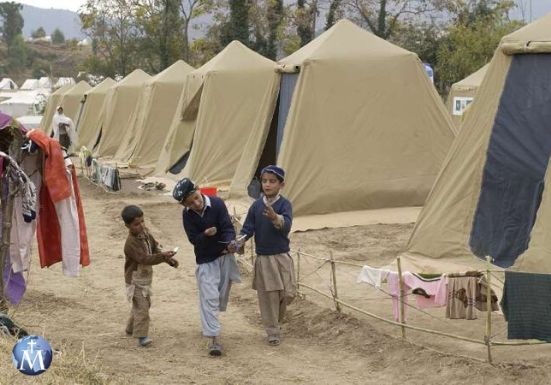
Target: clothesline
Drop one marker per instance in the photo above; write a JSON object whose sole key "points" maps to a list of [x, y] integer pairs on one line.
{"points": [[389, 296]]}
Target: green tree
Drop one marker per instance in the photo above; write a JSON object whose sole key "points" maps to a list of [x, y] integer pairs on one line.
{"points": [[12, 21], [40, 32], [40, 68], [275, 16], [471, 40], [237, 26], [190, 9], [305, 20], [17, 57], [332, 14], [111, 24], [160, 33], [383, 17], [58, 37]]}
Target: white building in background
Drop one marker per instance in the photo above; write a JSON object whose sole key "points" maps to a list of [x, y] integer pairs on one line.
{"points": [[8, 84], [45, 39]]}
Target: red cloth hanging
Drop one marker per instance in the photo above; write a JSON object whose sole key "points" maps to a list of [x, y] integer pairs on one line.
{"points": [[55, 188]]}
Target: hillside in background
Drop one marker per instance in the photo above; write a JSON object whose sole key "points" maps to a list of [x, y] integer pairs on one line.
{"points": [[62, 60], [50, 19]]}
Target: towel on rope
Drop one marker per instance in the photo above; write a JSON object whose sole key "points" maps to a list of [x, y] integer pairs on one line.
{"points": [[526, 305]]}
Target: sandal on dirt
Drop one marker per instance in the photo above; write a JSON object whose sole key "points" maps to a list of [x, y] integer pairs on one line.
{"points": [[215, 349], [274, 340]]}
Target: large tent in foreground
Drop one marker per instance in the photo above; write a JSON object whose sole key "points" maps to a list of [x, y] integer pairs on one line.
{"points": [[53, 101], [358, 126], [121, 104], [143, 142], [488, 195], [462, 94], [226, 100], [90, 118]]}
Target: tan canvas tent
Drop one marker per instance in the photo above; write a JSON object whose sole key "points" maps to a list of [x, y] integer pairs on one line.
{"points": [[72, 100], [120, 106], [462, 94], [91, 117], [53, 101], [142, 144], [226, 99], [489, 191], [365, 127]]}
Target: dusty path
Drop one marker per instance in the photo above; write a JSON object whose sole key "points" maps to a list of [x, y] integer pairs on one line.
{"points": [[320, 347]]}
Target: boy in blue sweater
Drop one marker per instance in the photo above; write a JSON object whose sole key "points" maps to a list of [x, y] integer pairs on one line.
{"points": [[269, 219], [209, 228]]}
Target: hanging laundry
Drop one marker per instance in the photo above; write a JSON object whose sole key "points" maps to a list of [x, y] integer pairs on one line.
{"points": [[467, 293], [461, 298], [482, 294], [14, 284], [105, 175], [23, 225], [61, 228], [373, 276], [428, 292], [526, 305]]}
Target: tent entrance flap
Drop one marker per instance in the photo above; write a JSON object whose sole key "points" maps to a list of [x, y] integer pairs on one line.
{"points": [[286, 90], [517, 159], [268, 155], [180, 164]]}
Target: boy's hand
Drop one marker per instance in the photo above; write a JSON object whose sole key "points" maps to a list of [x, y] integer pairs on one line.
{"points": [[168, 254], [210, 232], [270, 213], [173, 262], [232, 247]]}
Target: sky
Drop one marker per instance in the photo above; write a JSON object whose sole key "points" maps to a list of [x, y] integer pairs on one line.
{"points": [[539, 7], [72, 5]]}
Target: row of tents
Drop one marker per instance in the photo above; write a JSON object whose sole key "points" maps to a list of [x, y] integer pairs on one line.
{"points": [[354, 119], [357, 125]]}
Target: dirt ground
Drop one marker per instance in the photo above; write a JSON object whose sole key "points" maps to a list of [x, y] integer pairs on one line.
{"points": [[320, 346]]}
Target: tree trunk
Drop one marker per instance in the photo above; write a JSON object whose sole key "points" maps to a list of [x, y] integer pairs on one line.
{"points": [[381, 21]]}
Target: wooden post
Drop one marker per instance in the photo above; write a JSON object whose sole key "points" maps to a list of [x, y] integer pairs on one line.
{"points": [[334, 275], [488, 336], [401, 297]]}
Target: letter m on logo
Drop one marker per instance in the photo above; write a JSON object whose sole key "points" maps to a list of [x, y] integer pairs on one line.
{"points": [[27, 358]]}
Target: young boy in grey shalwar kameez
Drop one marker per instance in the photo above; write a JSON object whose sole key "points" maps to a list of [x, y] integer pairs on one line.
{"points": [[209, 228]]}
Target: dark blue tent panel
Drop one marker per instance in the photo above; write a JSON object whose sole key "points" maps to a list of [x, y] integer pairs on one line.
{"points": [[517, 158]]}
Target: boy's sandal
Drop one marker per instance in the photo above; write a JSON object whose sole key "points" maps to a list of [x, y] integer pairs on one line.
{"points": [[274, 340], [215, 349]]}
